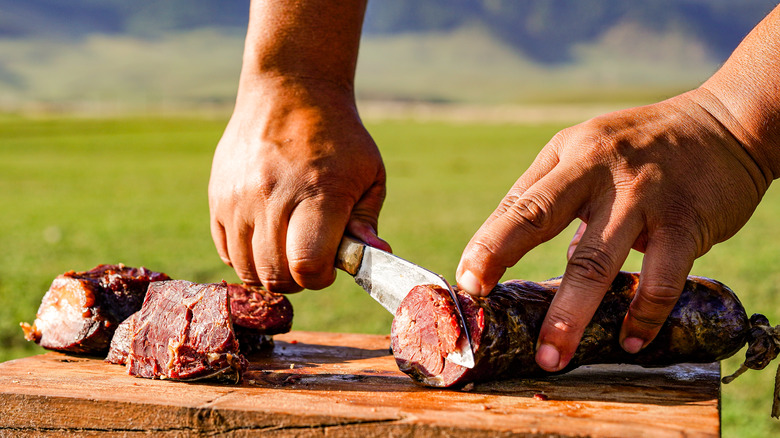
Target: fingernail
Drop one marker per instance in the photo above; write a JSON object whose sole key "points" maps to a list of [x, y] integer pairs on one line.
{"points": [[548, 357], [378, 242], [633, 345], [468, 282]]}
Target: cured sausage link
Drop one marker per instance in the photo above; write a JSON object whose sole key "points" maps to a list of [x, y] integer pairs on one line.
{"points": [[81, 310], [707, 324]]}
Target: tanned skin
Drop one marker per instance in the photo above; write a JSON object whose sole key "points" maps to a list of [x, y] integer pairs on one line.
{"points": [[295, 170]]}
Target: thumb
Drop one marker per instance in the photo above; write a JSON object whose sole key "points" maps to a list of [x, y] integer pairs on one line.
{"points": [[519, 224]]}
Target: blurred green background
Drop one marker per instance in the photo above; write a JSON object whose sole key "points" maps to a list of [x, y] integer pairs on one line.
{"points": [[77, 192], [109, 115]]}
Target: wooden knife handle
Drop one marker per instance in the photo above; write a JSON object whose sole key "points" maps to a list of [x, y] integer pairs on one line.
{"points": [[350, 255]]}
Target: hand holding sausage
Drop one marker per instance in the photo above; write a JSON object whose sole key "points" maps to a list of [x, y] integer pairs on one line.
{"points": [[670, 179], [655, 185]]}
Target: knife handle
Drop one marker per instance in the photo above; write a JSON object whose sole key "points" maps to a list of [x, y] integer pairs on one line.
{"points": [[350, 255]]}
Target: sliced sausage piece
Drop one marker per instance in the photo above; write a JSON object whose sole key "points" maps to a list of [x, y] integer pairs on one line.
{"points": [[81, 310], [184, 332], [255, 308], [122, 341], [257, 314]]}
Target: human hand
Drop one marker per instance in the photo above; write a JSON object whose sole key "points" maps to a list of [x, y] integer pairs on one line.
{"points": [[294, 170], [666, 179]]}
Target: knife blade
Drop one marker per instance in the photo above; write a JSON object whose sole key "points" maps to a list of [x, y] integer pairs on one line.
{"points": [[388, 279]]}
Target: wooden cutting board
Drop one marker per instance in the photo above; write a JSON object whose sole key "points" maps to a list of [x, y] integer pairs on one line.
{"points": [[347, 385]]}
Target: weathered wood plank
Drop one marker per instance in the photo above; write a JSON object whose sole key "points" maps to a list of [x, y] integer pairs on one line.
{"points": [[347, 384]]}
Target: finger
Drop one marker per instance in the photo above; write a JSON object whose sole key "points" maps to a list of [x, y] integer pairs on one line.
{"points": [[668, 260], [528, 219], [269, 251], [469, 274], [575, 240], [220, 241], [603, 248], [239, 252], [365, 216], [368, 235]]}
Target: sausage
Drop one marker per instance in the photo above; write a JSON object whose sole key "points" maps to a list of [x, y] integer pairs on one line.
{"points": [[256, 315], [89, 312], [254, 308], [81, 310], [707, 324], [184, 332], [122, 341]]}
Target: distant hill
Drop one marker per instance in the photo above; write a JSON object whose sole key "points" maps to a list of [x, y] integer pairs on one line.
{"points": [[545, 30], [78, 18], [501, 51]]}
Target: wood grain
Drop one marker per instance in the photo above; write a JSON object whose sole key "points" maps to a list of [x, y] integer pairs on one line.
{"points": [[317, 384]]}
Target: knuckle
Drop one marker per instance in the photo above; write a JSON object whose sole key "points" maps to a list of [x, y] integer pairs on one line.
{"points": [[275, 279], [652, 304], [247, 275], [594, 137], [484, 255], [261, 188], [482, 251], [590, 265], [645, 320], [563, 321], [562, 138], [688, 236], [531, 212], [534, 211], [507, 202]]}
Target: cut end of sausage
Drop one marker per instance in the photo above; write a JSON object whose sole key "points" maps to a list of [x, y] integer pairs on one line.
{"points": [[425, 331], [122, 341], [81, 310], [255, 308], [184, 332]]}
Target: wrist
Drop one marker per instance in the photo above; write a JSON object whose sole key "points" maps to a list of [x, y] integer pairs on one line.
{"points": [[295, 113], [755, 131], [743, 94], [302, 76], [304, 40], [285, 94]]}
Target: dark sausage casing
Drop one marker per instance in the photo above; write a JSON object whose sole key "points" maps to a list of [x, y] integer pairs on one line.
{"points": [[707, 324], [81, 310]]}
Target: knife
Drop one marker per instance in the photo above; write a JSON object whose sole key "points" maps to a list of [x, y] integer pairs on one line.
{"points": [[388, 278]]}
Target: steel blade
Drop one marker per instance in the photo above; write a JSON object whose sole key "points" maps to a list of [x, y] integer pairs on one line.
{"points": [[389, 278]]}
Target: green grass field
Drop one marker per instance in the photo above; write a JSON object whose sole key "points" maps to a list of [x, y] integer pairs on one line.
{"points": [[76, 192]]}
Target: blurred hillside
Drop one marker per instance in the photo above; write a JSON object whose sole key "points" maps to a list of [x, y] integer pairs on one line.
{"points": [[185, 52]]}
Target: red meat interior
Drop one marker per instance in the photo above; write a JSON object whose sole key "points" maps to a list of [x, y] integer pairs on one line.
{"points": [[425, 329]]}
